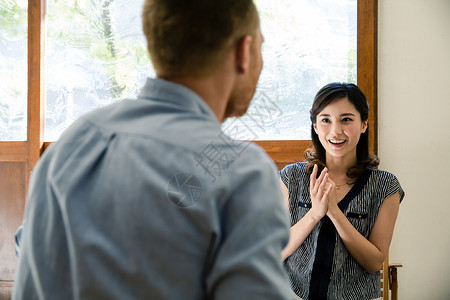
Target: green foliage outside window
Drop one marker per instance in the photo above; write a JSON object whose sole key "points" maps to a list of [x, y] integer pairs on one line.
{"points": [[96, 54], [13, 70]]}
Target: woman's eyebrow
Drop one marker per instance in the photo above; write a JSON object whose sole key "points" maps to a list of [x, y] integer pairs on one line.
{"points": [[342, 115]]}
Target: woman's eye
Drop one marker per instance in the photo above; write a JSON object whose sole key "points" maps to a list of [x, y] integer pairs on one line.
{"points": [[325, 120], [347, 120]]}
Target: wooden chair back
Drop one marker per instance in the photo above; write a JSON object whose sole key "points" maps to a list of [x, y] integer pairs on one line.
{"points": [[384, 277], [389, 282]]}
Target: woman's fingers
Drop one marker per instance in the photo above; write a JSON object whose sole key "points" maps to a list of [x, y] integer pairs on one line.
{"points": [[322, 184], [317, 186], [327, 191], [322, 174], [319, 189], [320, 180], [312, 177]]}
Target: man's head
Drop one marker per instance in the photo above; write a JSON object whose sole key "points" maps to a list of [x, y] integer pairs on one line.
{"points": [[192, 38]]}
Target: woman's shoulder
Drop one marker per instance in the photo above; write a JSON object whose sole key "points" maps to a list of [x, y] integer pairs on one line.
{"points": [[293, 174], [298, 167], [381, 174], [386, 182], [293, 171]]}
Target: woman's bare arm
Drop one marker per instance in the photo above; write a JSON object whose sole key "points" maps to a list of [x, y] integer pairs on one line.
{"points": [[369, 253]]}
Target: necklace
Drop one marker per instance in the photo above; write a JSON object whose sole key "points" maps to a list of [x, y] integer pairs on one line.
{"points": [[339, 185]]}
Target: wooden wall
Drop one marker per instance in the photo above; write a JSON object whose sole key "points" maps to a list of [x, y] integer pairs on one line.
{"points": [[12, 202]]}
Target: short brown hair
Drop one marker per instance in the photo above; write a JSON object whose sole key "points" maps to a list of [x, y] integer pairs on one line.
{"points": [[190, 37]]}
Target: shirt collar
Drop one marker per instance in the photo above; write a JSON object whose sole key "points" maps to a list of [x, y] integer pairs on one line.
{"points": [[158, 89]]}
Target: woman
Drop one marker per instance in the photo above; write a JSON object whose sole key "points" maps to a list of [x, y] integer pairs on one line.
{"points": [[342, 209]]}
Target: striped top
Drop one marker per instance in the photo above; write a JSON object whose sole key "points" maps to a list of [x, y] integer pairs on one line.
{"points": [[322, 268]]}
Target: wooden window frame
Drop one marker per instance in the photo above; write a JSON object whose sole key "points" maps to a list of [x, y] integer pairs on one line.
{"points": [[17, 159], [282, 152], [24, 155]]}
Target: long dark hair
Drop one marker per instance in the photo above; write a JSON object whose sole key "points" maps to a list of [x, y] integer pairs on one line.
{"points": [[325, 96]]}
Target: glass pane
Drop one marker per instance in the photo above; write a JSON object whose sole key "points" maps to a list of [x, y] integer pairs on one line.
{"points": [[308, 44], [103, 59], [95, 54], [13, 70]]}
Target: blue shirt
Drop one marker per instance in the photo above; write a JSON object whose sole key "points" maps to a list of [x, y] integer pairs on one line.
{"points": [[148, 199]]}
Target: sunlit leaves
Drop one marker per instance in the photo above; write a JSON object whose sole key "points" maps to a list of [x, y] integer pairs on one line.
{"points": [[13, 70]]}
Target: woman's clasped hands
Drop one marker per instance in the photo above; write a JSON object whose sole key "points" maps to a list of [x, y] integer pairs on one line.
{"points": [[323, 194]]}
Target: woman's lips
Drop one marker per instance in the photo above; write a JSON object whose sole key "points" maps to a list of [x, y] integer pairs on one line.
{"points": [[337, 143]]}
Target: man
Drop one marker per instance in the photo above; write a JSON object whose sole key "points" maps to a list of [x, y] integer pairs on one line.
{"points": [[147, 198]]}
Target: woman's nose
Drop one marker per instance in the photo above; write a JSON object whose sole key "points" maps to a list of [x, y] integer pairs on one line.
{"points": [[336, 129]]}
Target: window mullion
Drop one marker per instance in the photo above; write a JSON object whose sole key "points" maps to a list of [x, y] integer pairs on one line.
{"points": [[35, 108]]}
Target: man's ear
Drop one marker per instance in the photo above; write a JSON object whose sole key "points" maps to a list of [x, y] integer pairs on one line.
{"points": [[243, 54]]}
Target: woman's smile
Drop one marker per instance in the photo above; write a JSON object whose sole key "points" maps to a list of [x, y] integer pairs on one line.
{"points": [[337, 143]]}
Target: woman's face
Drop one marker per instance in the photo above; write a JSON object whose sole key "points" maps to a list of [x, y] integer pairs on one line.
{"points": [[339, 128]]}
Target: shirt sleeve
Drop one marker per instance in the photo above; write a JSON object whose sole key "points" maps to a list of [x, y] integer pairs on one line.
{"points": [[17, 238], [255, 230], [394, 187], [284, 175]]}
